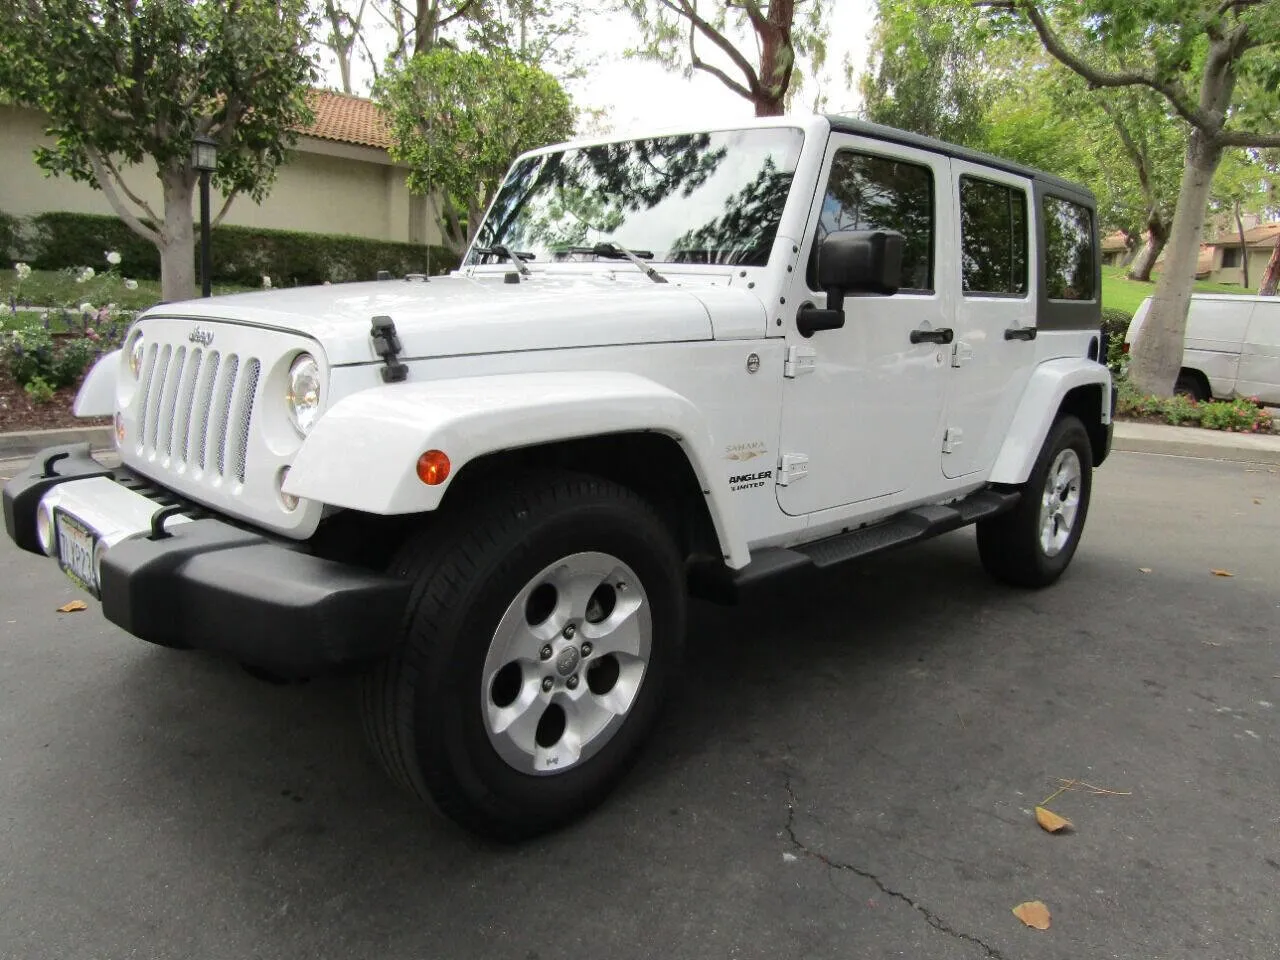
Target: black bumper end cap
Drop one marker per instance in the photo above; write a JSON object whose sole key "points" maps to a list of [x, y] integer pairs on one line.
{"points": [[47, 469]]}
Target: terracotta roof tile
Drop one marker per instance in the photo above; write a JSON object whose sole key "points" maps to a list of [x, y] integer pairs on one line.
{"points": [[347, 119]]}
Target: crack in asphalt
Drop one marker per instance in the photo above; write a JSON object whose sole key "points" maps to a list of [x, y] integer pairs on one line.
{"points": [[932, 918]]}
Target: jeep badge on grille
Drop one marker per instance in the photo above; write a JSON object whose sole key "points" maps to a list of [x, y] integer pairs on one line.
{"points": [[202, 337]]}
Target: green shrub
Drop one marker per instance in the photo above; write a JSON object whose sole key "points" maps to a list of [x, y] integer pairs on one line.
{"points": [[1240, 415], [241, 255], [1178, 410], [29, 354], [1236, 415], [9, 239], [33, 353], [1115, 321], [39, 390]]}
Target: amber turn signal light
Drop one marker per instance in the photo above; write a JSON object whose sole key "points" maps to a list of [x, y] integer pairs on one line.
{"points": [[433, 467]]}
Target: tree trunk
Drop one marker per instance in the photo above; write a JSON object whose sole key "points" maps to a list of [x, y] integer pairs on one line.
{"points": [[1152, 247], [1271, 275], [1156, 356], [344, 66], [177, 239], [1244, 251], [777, 59]]}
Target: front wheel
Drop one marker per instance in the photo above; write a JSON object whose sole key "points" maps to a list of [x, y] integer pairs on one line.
{"points": [[1031, 545], [545, 624]]}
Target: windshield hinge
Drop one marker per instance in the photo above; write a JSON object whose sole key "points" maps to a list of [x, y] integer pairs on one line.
{"points": [[792, 467]]}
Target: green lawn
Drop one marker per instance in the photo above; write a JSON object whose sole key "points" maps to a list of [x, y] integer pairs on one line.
{"points": [[58, 288], [1119, 293]]}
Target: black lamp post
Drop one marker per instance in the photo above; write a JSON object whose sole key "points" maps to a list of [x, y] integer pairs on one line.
{"points": [[204, 157]]}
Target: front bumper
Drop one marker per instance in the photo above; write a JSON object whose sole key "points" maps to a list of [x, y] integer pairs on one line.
{"points": [[210, 585]]}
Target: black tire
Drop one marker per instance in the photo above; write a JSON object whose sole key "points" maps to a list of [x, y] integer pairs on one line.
{"points": [[1190, 385], [1010, 545], [423, 707]]}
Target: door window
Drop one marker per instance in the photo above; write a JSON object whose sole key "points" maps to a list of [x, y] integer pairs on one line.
{"points": [[993, 238], [866, 192], [1068, 250]]}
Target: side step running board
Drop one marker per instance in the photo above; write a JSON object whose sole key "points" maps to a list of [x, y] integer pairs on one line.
{"points": [[716, 582]]}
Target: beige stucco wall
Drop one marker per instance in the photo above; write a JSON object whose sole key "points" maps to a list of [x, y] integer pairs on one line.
{"points": [[323, 188], [1257, 263]]}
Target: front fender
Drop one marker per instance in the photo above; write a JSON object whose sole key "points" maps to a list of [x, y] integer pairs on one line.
{"points": [[363, 453], [1048, 385], [97, 396]]}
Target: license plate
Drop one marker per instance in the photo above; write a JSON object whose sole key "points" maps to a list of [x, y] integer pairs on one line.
{"points": [[76, 544]]}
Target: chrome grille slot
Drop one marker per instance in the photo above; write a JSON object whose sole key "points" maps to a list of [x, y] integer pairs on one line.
{"points": [[144, 392], [222, 397], [244, 416], [154, 396], [182, 427], [201, 416], [169, 402]]}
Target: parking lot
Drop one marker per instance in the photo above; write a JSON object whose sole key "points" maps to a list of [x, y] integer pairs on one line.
{"points": [[848, 770]]}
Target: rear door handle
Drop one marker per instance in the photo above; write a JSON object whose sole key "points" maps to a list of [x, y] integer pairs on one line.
{"points": [[1020, 333], [941, 335]]}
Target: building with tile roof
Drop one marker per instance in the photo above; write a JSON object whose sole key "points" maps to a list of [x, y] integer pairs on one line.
{"points": [[338, 178], [1228, 253]]}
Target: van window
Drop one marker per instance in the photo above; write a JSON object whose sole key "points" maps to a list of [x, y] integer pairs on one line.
{"points": [[1068, 250], [879, 193], [993, 238]]}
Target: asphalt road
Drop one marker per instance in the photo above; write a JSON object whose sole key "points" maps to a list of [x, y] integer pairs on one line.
{"points": [[848, 771]]}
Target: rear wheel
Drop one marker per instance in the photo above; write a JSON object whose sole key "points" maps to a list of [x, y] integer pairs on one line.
{"points": [[544, 625], [1191, 386], [1031, 545]]}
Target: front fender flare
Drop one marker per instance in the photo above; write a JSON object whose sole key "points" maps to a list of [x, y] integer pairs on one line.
{"points": [[1048, 385], [97, 396], [363, 453]]}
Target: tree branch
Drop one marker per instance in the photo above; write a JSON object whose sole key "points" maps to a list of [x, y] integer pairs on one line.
{"points": [[1228, 5], [1246, 138], [685, 9], [146, 209], [122, 210], [1095, 76], [460, 12], [226, 205], [699, 64]]}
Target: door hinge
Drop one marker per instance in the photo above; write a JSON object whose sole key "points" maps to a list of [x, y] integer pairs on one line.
{"points": [[953, 438], [792, 467], [961, 353], [799, 361]]}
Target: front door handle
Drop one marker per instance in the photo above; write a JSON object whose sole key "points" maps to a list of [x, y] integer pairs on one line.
{"points": [[941, 335], [1020, 333]]}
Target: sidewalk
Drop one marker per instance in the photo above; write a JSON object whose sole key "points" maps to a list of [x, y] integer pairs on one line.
{"points": [[1195, 442]]}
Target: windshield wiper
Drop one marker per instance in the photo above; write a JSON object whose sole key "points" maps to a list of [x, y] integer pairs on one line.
{"points": [[616, 251], [502, 250]]}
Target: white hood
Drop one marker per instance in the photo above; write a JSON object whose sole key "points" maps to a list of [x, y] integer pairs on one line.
{"points": [[458, 315]]}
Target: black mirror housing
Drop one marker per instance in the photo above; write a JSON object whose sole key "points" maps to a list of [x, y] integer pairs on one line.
{"points": [[852, 261], [861, 261]]}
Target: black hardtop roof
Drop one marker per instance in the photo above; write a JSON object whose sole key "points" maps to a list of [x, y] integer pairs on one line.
{"points": [[878, 131]]}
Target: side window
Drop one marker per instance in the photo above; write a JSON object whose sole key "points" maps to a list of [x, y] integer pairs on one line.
{"points": [[993, 238], [1068, 250], [877, 193]]}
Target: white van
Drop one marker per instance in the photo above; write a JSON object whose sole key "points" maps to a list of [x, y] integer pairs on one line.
{"points": [[1232, 347]]}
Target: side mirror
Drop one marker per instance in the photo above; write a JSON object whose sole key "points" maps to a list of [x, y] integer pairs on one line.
{"points": [[852, 261]]}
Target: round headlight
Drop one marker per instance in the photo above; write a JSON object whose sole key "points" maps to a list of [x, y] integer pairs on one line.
{"points": [[136, 353], [304, 393]]}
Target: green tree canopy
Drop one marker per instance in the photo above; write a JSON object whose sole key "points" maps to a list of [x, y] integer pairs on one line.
{"points": [[459, 119], [127, 81]]}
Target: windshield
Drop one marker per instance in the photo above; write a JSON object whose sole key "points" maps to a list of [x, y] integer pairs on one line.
{"points": [[695, 198]]}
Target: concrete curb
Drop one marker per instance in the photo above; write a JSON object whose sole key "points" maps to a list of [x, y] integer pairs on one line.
{"points": [[1195, 442], [15, 446]]}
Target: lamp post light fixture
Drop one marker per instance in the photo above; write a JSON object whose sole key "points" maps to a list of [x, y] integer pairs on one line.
{"points": [[204, 158]]}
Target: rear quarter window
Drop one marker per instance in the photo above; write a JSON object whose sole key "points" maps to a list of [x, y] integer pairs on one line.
{"points": [[1068, 250]]}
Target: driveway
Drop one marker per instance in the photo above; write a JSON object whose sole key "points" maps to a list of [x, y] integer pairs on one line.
{"points": [[848, 771]]}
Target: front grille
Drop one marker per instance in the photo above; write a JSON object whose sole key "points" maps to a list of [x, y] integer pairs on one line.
{"points": [[195, 409]]}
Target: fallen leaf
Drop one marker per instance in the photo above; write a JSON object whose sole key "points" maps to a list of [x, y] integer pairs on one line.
{"points": [[1222, 573], [1257, 499], [73, 607], [1144, 569], [1050, 821], [1033, 913]]}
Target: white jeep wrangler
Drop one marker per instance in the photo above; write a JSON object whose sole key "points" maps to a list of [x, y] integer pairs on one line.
{"points": [[677, 364]]}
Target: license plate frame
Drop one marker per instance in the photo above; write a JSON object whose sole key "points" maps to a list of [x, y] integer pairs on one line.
{"points": [[75, 537]]}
